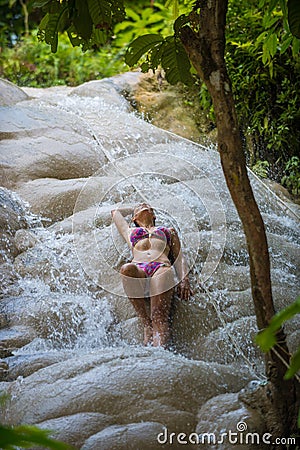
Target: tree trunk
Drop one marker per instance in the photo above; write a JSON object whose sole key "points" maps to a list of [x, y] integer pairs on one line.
{"points": [[204, 41]]}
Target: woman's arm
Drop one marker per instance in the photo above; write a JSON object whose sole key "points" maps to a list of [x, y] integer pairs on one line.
{"points": [[184, 290], [121, 223]]}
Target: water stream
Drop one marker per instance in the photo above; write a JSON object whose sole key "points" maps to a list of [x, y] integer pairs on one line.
{"points": [[67, 287]]}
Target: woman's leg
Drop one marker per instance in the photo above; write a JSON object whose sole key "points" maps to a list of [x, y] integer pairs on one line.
{"points": [[161, 295], [134, 282]]}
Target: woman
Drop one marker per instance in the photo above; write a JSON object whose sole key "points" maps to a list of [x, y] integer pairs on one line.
{"points": [[150, 273]]}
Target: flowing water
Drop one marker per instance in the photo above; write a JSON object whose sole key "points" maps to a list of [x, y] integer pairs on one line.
{"points": [[65, 286], [184, 183]]}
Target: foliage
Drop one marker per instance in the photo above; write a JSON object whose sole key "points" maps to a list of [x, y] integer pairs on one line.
{"points": [[267, 338], [140, 22], [25, 436], [13, 23], [168, 52], [294, 17], [261, 168], [292, 177], [262, 57], [88, 23], [264, 66], [31, 63]]}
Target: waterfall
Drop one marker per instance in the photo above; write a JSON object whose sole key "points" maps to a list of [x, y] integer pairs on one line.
{"points": [[70, 155]]}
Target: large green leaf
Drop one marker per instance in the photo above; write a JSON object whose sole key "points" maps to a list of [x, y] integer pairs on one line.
{"points": [[156, 55], [57, 22], [266, 338], [294, 365], [100, 11], [294, 17], [25, 436], [82, 19], [140, 46], [99, 37], [175, 62], [118, 10]]}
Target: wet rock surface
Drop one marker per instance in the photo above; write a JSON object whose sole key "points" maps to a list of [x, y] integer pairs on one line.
{"points": [[69, 338]]}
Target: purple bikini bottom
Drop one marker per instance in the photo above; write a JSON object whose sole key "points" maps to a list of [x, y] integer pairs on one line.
{"points": [[150, 267]]}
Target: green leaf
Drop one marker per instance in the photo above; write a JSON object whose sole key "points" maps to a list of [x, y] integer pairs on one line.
{"points": [[82, 19], [74, 38], [99, 37], [272, 44], [175, 5], [56, 22], [268, 21], [44, 22], [118, 10], [40, 3], [140, 46], [294, 17], [285, 44], [295, 47], [179, 22], [294, 365], [156, 55], [100, 11], [175, 62], [272, 5], [24, 436], [266, 338], [145, 67], [132, 14]]}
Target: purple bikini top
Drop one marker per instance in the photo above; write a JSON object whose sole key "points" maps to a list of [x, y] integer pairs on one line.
{"points": [[141, 233]]}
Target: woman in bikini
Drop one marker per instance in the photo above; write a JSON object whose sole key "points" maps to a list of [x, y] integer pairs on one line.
{"points": [[149, 274]]}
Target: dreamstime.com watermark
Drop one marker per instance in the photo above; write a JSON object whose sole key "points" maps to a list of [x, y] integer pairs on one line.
{"points": [[239, 436]]}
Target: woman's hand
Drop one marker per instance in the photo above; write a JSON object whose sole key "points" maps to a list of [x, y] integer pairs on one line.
{"points": [[124, 211], [184, 289]]}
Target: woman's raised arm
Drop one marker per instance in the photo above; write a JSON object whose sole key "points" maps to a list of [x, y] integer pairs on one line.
{"points": [[121, 223]]}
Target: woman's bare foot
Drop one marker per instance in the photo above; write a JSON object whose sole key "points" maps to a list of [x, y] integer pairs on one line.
{"points": [[148, 335]]}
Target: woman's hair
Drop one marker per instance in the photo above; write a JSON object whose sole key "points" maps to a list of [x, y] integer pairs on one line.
{"points": [[137, 207]]}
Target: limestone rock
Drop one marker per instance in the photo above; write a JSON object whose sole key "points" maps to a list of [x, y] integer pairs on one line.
{"points": [[10, 94], [59, 199], [131, 436], [23, 365], [167, 107], [232, 422], [48, 146], [75, 428], [13, 216], [69, 334], [16, 337], [122, 383], [234, 340]]}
